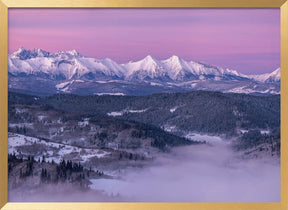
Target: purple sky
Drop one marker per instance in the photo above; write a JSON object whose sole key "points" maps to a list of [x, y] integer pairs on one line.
{"points": [[247, 40]]}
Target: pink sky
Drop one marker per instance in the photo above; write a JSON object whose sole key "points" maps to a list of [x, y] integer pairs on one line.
{"points": [[247, 40]]}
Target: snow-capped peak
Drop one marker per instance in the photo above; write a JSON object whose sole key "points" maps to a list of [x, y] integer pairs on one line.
{"points": [[73, 52], [69, 53], [113, 67], [145, 68], [149, 59], [274, 76], [144, 63], [177, 68], [17, 52], [71, 64], [276, 73], [20, 50], [174, 58], [24, 54]]}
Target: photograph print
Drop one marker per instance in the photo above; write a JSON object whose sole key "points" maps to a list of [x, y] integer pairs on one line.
{"points": [[144, 105]]}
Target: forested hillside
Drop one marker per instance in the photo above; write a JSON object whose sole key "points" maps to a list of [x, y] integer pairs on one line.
{"points": [[201, 111]]}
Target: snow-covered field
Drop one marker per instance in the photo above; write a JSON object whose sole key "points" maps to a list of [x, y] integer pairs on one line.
{"points": [[112, 94], [120, 113], [204, 137], [193, 136], [242, 131], [249, 90], [38, 148], [64, 86]]}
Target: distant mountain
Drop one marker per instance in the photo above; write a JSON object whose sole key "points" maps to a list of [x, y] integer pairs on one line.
{"points": [[268, 78], [43, 72], [61, 65]]}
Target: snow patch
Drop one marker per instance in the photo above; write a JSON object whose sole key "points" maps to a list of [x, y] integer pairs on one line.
{"points": [[112, 94], [247, 90], [64, 86], [173, 109], [41, 117], [169, 128], [136, 111], [84, 123], [102, 82], [120, 113], [193, 85], [20, 111], [204, 137], [242, 131], [115, 114], [264, 131], [155, 84], [21, 125]]}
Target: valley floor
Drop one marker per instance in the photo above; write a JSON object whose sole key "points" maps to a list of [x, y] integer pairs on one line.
{"points": [[211, 172]]}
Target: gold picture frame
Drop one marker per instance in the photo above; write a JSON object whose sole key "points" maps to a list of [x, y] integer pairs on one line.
{"points": [[6, 4]]}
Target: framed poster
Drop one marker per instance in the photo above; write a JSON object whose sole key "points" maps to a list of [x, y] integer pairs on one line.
{"points": [[143, 105]]}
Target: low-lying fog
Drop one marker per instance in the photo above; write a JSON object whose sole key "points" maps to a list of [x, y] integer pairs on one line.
{"points": [[200, 174], [188, 174]]}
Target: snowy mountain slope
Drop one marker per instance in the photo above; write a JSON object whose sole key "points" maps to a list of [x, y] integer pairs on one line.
{"points": [[148, 68], [24, 54], [71, 64], [63, 65], [72, 72], [179, 69], [268, 77]]}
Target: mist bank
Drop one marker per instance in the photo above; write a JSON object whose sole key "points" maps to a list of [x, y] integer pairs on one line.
{"points": [[199, 174], [211, 172]]}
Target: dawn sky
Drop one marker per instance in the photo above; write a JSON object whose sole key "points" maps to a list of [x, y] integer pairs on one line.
{"points": [[247, 40]]}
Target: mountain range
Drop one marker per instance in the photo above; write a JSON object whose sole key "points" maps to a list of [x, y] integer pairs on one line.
{"points": [[41, 72]]}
